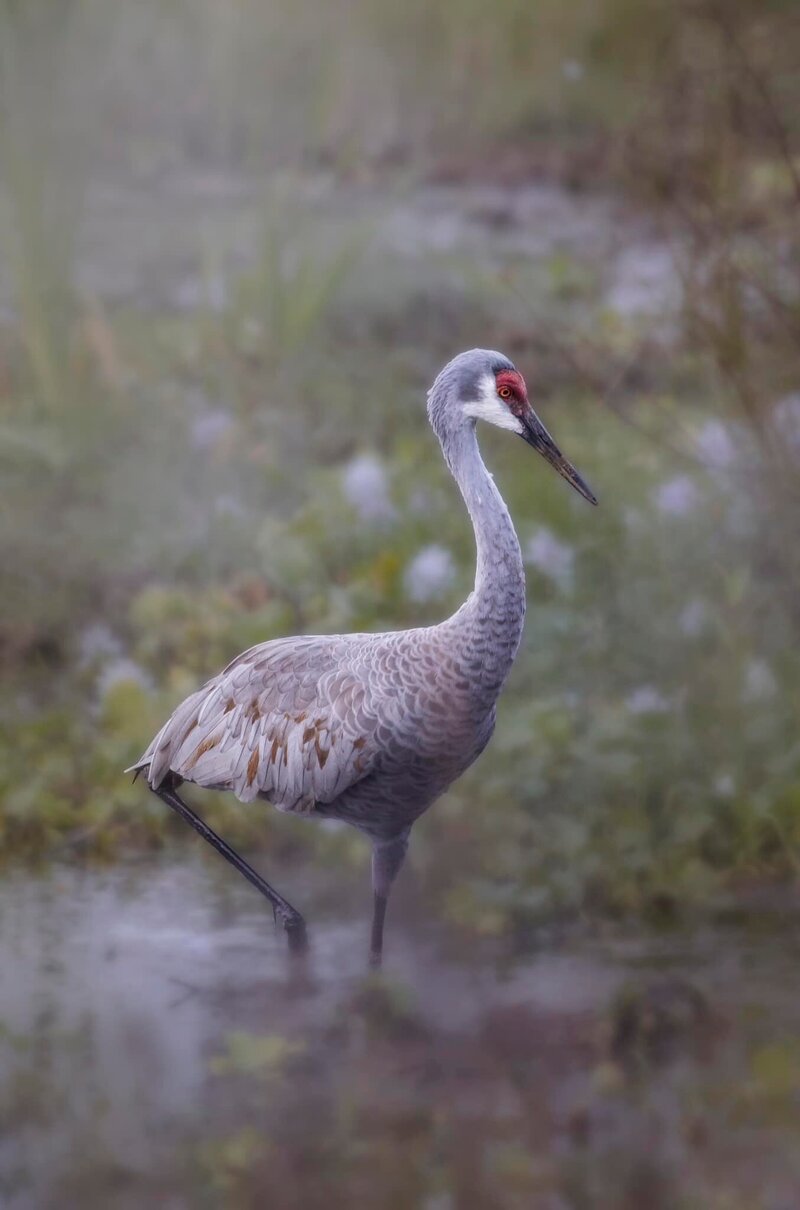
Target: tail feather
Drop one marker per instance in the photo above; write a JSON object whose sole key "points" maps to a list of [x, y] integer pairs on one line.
{"points": [[156, 760]]}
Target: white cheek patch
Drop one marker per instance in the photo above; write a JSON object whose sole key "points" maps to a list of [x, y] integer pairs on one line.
{"points": [[491, 408]]}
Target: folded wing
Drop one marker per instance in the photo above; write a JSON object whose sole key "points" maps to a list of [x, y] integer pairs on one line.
{"points": [[287, 720]]}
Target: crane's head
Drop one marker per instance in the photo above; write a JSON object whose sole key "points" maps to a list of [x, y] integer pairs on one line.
{"points": [[484, 385]]}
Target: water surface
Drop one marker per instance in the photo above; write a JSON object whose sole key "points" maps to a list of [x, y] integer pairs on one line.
{"points": [[157, 1041]]}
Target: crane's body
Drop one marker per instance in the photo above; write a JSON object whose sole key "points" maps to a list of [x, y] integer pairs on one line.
{"points": [[372, 728]]}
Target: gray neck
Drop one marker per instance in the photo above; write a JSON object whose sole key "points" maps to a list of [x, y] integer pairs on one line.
{"points": [[490, 621]]}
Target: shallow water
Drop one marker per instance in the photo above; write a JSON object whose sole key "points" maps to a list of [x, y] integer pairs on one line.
{"points": [[158, 1043]]}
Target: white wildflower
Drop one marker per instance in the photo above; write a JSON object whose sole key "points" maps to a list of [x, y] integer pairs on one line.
{"points": [[647, 700], [786, 417], [429, 574], [252, 330], [197, 292], [724, 785], [646, 282], [332, 825], [552, 557], [207, 429], [572, 70], [677, 497], [366, 488], [98, 642], [715, 445], [229, 506], [694, 618], [759, 681], [120, 671]]}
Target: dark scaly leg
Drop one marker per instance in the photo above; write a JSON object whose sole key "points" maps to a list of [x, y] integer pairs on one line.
{"points": [[289, 917], [387, 858]]}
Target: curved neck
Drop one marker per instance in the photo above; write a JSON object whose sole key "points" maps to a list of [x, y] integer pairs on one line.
{"points": [[491, 619]]}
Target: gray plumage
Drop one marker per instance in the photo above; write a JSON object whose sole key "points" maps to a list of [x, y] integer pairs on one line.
{"points": [[372, 728]]}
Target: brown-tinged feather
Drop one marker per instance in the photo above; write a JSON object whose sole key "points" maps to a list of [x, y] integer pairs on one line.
{"points": [[206, 746]]}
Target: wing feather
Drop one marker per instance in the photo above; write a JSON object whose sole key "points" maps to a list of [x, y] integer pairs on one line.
{"points": [[288, 720]]}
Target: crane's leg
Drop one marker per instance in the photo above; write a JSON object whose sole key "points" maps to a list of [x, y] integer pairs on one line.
{"points": [[387, 858], [289, 917]]}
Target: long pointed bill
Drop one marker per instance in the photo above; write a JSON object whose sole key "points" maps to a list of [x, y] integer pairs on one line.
{"points": [[534, 432]]}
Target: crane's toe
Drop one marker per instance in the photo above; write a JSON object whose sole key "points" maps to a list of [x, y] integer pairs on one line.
{"points": [[296, 934]]}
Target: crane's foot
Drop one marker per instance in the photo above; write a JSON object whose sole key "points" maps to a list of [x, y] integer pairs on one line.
{"points": [[297, 936], [294, 925]]}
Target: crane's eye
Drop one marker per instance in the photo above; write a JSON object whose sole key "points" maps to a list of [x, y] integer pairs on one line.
{"points": [[504, 392]]}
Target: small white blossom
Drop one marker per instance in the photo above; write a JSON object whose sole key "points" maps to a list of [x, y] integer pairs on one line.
{"points": [[724, 785], [97, 643], [120, 671], [332, 825], [438, 1201], [572, 70], [647, 700], [786, 416], [429, 574], [196, 292], [759, 681], [715, 445], [677, 497], [207, 429], [252, 329], [693, 618], [646, 282], [227, 505], [366, 488], [549, 555]]}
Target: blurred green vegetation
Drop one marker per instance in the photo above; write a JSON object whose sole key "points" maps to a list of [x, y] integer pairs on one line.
{"points": [[183, 480]]}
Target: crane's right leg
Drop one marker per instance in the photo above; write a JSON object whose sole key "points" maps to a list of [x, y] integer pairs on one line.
{"points": [[387, 858], [289, 917]]}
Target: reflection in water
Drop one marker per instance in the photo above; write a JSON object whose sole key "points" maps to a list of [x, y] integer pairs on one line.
{"points": [[158, 1042]]}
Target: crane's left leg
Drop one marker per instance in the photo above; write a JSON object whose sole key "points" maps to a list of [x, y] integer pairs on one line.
{"points": [[387, 858], [289, 917]]}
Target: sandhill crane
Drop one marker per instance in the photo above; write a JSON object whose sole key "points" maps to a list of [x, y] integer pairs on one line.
{"points": [[372, 728]]}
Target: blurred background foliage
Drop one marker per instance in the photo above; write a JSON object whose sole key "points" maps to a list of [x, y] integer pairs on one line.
{"points": [[237, 242], [238, 238]]}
